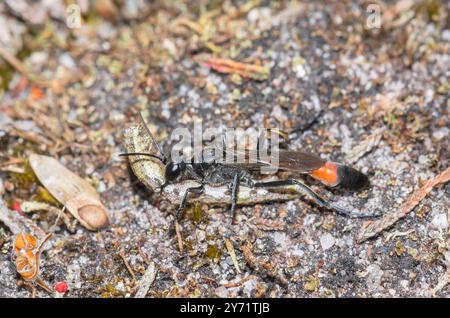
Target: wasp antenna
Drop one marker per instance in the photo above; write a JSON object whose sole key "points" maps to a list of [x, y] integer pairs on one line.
{"points": [[163, 156], [126, 154]]}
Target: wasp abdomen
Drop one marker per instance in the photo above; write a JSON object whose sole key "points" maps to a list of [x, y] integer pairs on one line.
{"points": [[351, 179], [334, 174]]}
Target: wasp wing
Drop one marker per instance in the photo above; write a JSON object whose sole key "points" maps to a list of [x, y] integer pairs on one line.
{"points": [[292, 160], [299, 161]]}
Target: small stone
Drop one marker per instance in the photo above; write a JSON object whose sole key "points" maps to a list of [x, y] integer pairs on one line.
{"points": [[249, 286], [66, 60], [170, 47], [120, 286], [298, 66], [211, 88], [133, 9], [327, 241], [446, 35], [38, 58], [236, 94], [404, 283], [259, 14], [101, 187], [279, 114], [266, 91], [441, 133], [221, 292], [373, 278], [440, 221], [236, 78]]}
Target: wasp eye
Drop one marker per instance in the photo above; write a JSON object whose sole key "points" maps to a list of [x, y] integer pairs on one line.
{"points": [[173, 171]]}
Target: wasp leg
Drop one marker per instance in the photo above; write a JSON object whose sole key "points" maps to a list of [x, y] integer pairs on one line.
{"points": [[314, 196], [234, 197], [196, 190]]}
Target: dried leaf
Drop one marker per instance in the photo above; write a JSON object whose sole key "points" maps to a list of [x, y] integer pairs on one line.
{"points": [[75, 193]]}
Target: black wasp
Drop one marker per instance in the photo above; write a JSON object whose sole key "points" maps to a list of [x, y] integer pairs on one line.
{"points": [[233, 175]]}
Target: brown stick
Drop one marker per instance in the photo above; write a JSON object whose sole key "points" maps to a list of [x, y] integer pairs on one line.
{"points": [[179, 238], [389, 219], [21, 68], [127, 265]]}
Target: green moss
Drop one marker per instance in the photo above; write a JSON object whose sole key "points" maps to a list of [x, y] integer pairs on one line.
{"points": [[431, 8], [213, 252], [110, 291], [24, 53], [92, 18], [24, 180], [189, 245], [115, 67], [196, 213], [311, 283], [7, 71]]}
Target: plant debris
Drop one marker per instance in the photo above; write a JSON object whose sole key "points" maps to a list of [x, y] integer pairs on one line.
{"points": [[146, 281], [375, 227], [226, 66], [77, 195]]}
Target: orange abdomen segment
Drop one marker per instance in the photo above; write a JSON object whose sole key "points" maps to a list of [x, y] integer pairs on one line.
{"points": [[327, 174]]}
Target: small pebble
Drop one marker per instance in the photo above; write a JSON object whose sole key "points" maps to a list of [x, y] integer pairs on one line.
{"points": [[327, 241]]}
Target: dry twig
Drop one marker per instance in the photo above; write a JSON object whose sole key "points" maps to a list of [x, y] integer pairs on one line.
{"points": [[230, 250], [389, 219], [128, 266], [263, 267], [179, 237], [227, 66], [20, 67], [146, 281]]}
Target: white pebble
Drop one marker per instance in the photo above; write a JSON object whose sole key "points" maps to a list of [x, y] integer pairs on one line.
{"points": [[327, 241], [440, 221]]}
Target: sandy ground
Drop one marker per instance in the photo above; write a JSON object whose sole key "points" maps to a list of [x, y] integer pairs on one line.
{"points": [[375, 98]]}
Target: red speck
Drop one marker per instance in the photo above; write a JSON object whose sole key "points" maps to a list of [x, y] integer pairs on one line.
{"points": [[36, 92], [61, 287], [320, 263], [16, 207]]}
